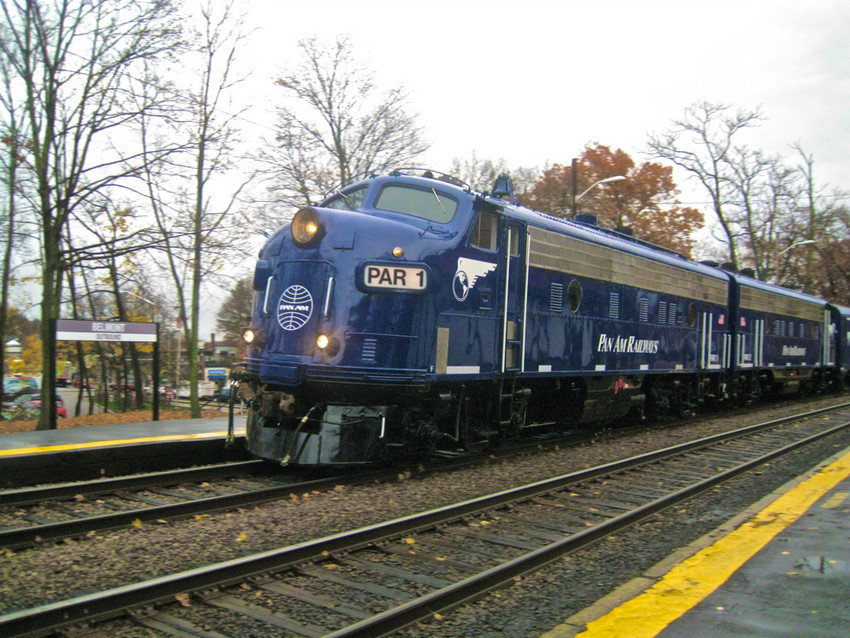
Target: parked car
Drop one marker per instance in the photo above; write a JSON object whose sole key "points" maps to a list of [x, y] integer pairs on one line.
{"points": [[35, 404], [13, 387], [127, 386], [78, 382], [19, 403]]}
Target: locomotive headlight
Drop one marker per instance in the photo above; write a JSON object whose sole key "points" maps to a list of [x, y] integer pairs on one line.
{"points": [[253, 337], [328, 345], [305, 227], [398, 251]]}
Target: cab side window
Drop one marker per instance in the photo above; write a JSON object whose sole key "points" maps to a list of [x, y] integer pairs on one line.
{"points": [[485, 230]]}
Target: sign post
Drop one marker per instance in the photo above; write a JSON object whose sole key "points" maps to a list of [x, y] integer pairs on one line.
{"points": [[123, 331]]}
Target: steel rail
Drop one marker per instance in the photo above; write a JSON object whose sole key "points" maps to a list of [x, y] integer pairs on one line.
{"points": [[19, 497], [481, 584], [26, 536], [17, 538], [104, 605]]}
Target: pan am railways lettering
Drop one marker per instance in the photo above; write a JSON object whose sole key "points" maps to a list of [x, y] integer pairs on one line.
{"points": [[631, 345]]}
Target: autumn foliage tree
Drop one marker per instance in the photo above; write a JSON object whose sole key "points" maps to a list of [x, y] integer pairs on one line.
{"points": [[645, 202], [232, 318]]}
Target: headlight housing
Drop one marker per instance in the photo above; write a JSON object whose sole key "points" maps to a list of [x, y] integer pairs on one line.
{"points": [[253, 337], [306, 229], [328, 344]]}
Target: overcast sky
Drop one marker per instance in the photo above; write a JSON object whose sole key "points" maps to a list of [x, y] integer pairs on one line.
{"points": [[534, 81]]}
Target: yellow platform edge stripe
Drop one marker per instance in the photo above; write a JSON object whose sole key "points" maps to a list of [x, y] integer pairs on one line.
{"points": [[692, 580], [93, 444]]}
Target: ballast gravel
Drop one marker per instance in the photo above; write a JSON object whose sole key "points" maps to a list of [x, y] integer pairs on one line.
{"points": [[99, 561]]}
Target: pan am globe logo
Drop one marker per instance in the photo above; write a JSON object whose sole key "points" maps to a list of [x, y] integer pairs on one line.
{"points": [[294, 308], [467, 273]]}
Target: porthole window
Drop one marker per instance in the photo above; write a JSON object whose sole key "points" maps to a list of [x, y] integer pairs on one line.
{"points": [[574, 295], [692, 315]]}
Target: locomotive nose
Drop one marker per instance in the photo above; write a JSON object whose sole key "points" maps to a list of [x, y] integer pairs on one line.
{"points": [[296, 305]]}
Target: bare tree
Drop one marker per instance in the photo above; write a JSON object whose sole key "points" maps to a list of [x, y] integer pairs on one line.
{"points": [[73, 59], [785, 217], [773, 221], [702, 143], [757, 191], [335, 125], [197, 226], [773, 215], [820, 230], [11, 143], [832, 264], [481, 174]]}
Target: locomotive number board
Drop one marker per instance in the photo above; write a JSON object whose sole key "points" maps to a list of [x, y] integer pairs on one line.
{"points": [[394, 277]]}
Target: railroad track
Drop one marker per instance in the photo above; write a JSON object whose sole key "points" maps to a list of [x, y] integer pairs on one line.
{"points": [[377, 579], [34, 515]]}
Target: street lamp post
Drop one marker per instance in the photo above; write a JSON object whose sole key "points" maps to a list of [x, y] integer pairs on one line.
{"points": [[795, 244], [802, 242], [576, 199]]}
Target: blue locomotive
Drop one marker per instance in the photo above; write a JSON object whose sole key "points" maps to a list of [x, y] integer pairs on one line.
{"points": [[408, 312]]}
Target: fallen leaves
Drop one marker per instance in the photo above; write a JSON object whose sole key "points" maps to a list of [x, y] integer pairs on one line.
{"points": [[136, 416]]}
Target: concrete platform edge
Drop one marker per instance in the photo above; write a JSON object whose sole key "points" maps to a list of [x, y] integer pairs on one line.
{"points": [[576, 623]]}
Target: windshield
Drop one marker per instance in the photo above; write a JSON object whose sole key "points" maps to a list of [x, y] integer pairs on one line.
{"points": [[425, 203], [350, 200]]}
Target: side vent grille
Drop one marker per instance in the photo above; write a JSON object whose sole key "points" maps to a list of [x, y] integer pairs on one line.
{"points": [[614, 306], [370, 347], [644, 309], [662, 312], [556, 297]]}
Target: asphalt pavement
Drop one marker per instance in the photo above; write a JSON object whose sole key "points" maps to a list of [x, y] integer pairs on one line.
{"points": [[69, 398]]}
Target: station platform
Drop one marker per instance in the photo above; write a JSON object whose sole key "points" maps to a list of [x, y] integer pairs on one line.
{"points": [[782, 568], [104, 450]]}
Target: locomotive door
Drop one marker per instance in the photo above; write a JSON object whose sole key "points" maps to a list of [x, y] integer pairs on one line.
{"points": [[830, 333], [513, 322], [714, 344], [750, 343]]}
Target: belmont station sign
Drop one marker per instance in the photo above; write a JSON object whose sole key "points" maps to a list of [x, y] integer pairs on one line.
{"points": [[78, 330]]}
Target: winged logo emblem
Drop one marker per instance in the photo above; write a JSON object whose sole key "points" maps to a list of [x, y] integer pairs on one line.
{"points": [[468, 272]]}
